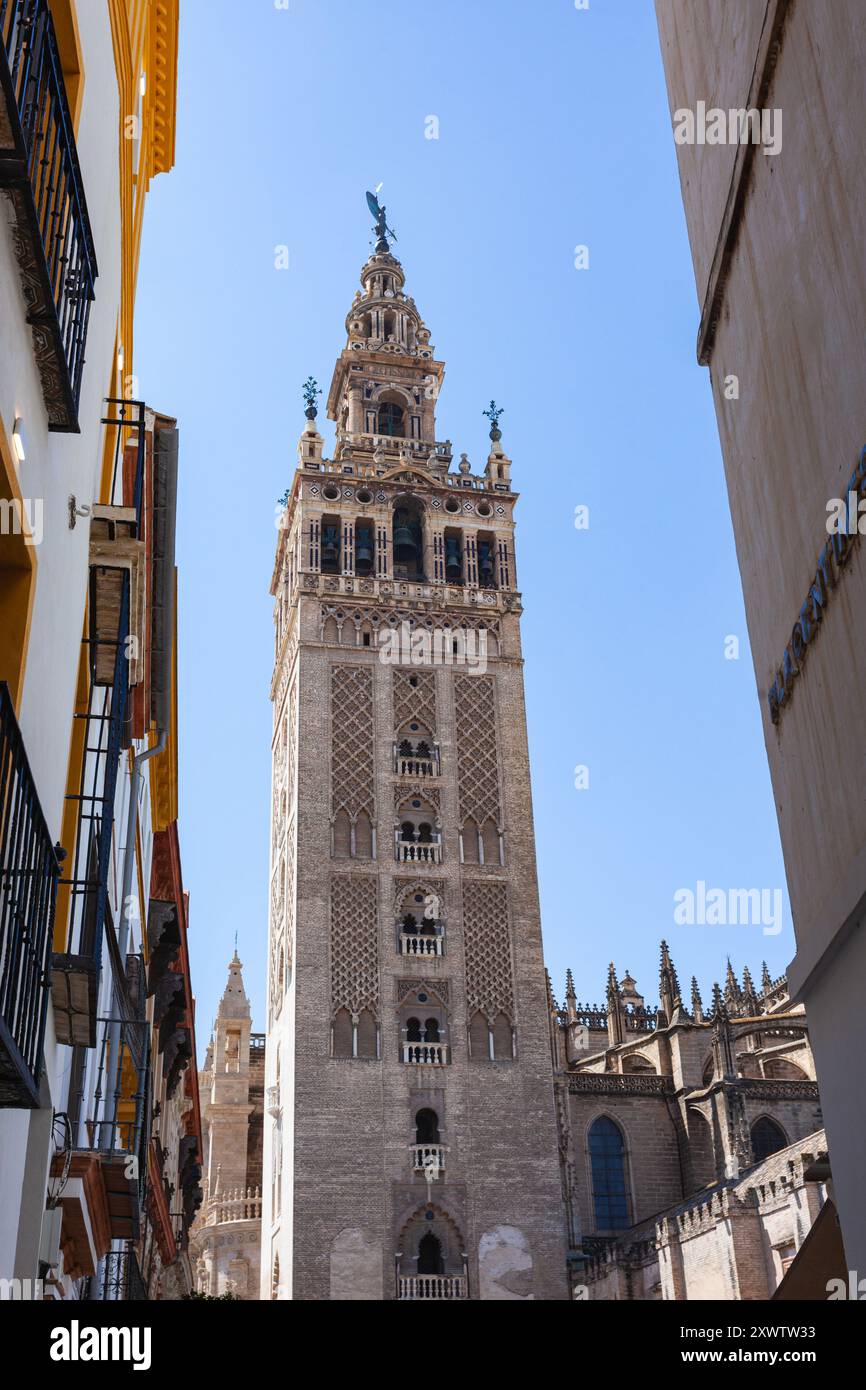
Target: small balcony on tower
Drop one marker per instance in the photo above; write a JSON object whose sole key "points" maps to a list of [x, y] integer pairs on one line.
{"points": [[428, 1158], [418, 834], [421, 845], [417, 758], [428, 1152], [40, 174], [420, 938], [443, 1288], [424, 1031]]}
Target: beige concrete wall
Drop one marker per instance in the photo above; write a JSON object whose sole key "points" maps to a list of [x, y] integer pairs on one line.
{"points": [[791, 328]]}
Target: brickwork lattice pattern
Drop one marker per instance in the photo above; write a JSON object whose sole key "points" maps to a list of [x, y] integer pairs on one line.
{"points": [[354, 944], [415, 702], [352, 735], [487, 946], [477, 759]]}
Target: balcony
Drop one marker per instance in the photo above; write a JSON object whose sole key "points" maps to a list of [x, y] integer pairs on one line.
{"points": [[423, 1054], [75, 972], [29, 874], [238, 1204], [428, 1158], [109, 1119], [412, 1288], [122, 1279], [419, 851], [417, 944], [416, 761], [39, 173]]}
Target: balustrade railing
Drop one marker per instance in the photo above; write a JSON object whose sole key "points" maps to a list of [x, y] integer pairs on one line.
{"points": [[419, 852], [425, 1054], [428, 1158], [29, 873], [237, 1204], [442, 1287], [414, 944]]}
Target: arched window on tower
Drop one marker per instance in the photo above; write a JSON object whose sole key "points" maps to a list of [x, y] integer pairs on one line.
{"points": [[390, 419], [408, 540], [608, 1166], [767, 1138], [430, 1255], [426, 1127]]}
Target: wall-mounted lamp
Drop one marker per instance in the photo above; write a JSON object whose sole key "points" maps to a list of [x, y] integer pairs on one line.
{"points": [[18, 441]]}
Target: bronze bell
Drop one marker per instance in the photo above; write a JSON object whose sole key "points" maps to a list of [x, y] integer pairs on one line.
{"points": [[485, 564], [453, 566], [405, 548], [363, 553], [330, 545]]}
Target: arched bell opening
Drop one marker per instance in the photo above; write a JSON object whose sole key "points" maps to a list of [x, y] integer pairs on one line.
{"points": [[408, 539]]}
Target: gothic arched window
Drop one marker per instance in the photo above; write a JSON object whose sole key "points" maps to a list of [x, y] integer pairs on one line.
{"points": [[607, 1160], [767, 1138]]}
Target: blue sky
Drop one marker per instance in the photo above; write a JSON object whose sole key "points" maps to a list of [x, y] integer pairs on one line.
{"points": [[553, 132]]}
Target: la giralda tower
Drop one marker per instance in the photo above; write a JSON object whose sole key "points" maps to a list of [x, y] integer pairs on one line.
{"points": [[410, 1145]]}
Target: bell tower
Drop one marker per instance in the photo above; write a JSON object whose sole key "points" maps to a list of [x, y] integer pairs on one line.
{"points": [[410, 1146]]}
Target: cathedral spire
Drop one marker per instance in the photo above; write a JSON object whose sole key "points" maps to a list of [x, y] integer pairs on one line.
{"points": [[234, 1003]]}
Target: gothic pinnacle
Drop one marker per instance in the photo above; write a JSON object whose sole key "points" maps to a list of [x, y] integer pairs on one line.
{"points": [[697, 1002]]}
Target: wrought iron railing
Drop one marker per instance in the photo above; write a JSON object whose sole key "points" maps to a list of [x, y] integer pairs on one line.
{"points": [[39, 168], [122, 1279], [29, 873], [108, 1112], [127, 488], [76, 971]]}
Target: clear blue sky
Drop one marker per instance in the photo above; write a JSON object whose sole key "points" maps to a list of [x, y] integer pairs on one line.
{"points": [[553, 132]]}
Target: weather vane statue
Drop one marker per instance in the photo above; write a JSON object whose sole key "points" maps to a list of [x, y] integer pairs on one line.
{"points": [[493, 413], [382, 230], [311, 390]]}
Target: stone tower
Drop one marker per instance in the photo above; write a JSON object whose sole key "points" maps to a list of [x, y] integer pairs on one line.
{"points": [[224, 1245], [410, 1151]]}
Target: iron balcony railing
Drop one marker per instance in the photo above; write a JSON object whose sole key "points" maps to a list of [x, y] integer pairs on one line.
{"points": [[122, 1279], [29, 873], [75, 972], [128, 418], [39, 170], [108, 1109]]}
